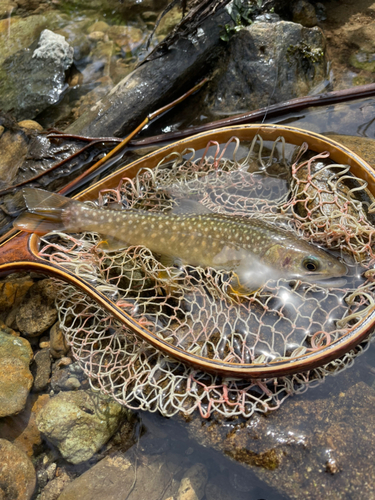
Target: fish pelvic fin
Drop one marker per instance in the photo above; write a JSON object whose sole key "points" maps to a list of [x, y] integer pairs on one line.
{"points": [[46, 212]]}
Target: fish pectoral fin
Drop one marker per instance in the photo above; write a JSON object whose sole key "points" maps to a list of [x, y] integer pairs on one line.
{"points": [[240, 290], [111, 244]]}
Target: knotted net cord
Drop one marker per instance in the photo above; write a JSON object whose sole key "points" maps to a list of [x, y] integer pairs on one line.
{"points": [[193, 308]]}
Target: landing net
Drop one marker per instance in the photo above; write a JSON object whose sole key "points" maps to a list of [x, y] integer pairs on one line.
{"points": [[193, 308]]}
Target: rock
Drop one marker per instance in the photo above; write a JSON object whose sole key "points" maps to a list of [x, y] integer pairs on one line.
{"points": [[32, 80], [57, 342], [54, 488], [119, 473], [14, 149], [12, 291], [37, 311], [17, 473], [98, 26], [79, 423], [18, 33], [304, 13], [15, 377], [193, 483], [21, 429], [268, 63], [30, 125], [42, 370], [97, 36], [54, 49], [332, 440]]}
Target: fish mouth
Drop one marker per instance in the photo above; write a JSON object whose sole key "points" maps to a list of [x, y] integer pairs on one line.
{"points": [[332, 282]]}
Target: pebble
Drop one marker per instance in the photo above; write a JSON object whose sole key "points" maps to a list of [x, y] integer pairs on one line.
{"points": [[42, 370], [54, 488], [15, 376], [97, 36], [58, 343], [79, 423], [17, 473], [30, 125]]}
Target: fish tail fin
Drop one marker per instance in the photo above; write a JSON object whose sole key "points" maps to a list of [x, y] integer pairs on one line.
{"points": [[47, 212]]}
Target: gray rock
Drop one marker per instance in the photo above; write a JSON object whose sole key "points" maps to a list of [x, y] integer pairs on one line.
{"points": [[37, 311], [17, 473], [121, 473], [268, 63], [79, 423], [42, 360], [54, 49], [15, 377], [31, 80]]}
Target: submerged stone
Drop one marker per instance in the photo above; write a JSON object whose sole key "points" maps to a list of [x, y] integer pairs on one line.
{"points": [[79, 423], [37, 311], [17, 473], [15, 377], [123, 475], [32, 80]]}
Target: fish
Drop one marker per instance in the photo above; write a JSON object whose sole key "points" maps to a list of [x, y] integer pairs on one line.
{"points": [[254, 250]]}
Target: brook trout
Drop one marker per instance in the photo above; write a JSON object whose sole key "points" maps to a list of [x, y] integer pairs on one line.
{"points": [[255, 250]]}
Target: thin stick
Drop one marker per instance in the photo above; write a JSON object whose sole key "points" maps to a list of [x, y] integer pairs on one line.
{"points": [[272, 111]]}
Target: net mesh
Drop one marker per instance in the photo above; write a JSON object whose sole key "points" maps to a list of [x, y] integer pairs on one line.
{"points": [[194, 308]]}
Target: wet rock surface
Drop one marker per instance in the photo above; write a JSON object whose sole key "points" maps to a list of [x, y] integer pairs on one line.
{"points": [[34, 78], [332, 441], [268, 63], [15, 376], [17, 473], [79, 423]]}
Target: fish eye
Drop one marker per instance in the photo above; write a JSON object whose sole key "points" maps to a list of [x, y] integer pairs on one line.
{"points": [[310, 264]]}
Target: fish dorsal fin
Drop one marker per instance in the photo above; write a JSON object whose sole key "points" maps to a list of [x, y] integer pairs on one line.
{"points": [[40, 201], [189, 206]]}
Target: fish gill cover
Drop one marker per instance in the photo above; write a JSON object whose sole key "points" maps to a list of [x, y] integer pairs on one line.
{"points": [[197, 308]]}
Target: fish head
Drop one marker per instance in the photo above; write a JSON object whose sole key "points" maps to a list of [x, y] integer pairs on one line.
{"points": [[304, 261]]}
